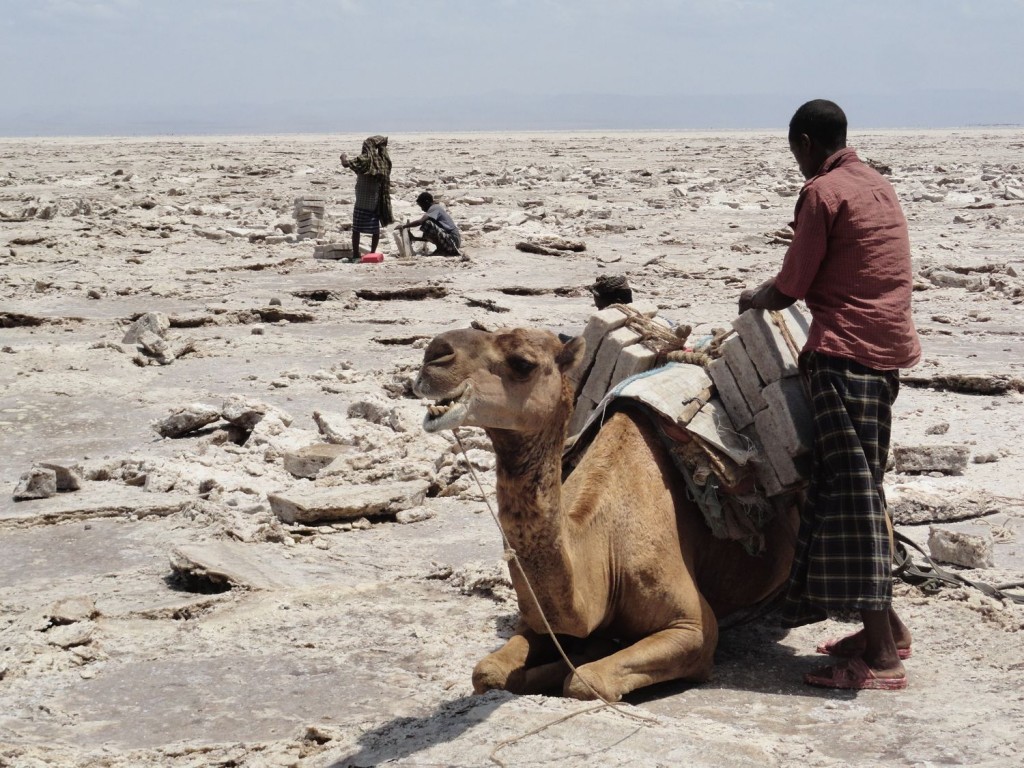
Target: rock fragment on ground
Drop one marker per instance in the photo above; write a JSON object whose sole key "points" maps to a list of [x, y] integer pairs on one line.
{"points": [[377, 411], [69, 475], [187, 419], [311, 504], [964, 549], [307, 462], [72, 609], [156, 323], [37, 483], [945, 459], [246, 413]]}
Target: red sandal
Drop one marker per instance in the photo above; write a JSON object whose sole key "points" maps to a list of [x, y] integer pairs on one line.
{"points": [[853, 674]]}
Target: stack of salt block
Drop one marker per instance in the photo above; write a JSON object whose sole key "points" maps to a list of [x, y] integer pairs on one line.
{"points": [[309, 217], [334, 251], [757, 380], [403, 242], [613, 353]]}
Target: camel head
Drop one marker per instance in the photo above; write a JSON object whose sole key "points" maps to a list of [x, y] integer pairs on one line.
{"points": [[511, 379]]}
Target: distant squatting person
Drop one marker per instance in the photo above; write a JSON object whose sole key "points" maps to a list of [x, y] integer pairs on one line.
{"points": [[436, 226]]}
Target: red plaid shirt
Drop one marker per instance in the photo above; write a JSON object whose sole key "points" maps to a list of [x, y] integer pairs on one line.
{"points": [[850, 262]]}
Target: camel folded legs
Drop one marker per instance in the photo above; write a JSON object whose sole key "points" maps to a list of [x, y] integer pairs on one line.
{"points": [[683, 651], [529, 663]]}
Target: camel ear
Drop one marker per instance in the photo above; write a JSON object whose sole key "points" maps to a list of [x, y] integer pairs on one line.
{"points": [[571, 354]]}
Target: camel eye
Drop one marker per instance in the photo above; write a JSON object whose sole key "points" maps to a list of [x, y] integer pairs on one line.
{"points": [[521, 366]]}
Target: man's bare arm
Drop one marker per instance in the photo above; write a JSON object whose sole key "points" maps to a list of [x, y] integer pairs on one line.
{"points": [[411, 224]]}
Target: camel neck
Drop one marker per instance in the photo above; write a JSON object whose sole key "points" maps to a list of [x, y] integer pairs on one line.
{"points": [[529, 482], [529, 507]]}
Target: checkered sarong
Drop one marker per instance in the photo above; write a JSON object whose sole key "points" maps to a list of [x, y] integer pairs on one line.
{"points": [[844, 557], [365, 221], [439, 236]]}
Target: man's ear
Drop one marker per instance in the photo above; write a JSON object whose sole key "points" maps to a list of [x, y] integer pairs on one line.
{"points": [[571, 353]]}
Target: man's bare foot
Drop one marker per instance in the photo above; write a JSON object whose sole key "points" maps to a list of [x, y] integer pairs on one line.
{"points": [[855, 674], [854, 645]]}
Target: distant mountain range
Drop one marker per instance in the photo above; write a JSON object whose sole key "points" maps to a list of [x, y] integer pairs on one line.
{"points": [[512, 112]]}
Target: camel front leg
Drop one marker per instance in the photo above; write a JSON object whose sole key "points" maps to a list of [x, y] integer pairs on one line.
{"points": [[683, 651], [509, 667]]}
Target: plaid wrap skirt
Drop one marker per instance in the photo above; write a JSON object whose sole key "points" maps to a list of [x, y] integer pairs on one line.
{"points": [[365, 221], [445, 241], [843, 558]]}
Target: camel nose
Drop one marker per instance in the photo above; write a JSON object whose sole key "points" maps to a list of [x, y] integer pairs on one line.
{"points": [[438, 352]]}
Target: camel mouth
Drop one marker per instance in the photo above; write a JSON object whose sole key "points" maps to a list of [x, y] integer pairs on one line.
{"points": [[450, 411]]}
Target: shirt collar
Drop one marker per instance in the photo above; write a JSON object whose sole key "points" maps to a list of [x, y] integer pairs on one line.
{"points": [[836, 159]]}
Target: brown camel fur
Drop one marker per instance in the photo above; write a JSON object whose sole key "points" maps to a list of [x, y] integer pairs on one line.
{"points": [[618, 556]]}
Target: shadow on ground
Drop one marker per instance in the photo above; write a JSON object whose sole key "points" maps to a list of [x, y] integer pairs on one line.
{"points": [[405, 736]]}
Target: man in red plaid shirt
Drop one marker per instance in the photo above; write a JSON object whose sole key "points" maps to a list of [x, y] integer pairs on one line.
{"points": [[850, 262]]}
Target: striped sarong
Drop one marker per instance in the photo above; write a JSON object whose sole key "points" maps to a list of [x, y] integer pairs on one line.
{"points": [[434, 233], [365, 221], [843, 556]]}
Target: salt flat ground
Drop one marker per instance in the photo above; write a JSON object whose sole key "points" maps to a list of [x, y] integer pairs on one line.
{"points": [[353, 645]]}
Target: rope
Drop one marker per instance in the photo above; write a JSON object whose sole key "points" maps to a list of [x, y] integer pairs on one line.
{"points": [[511, 556], [780, 323], [653, 336], [931, 577], [688, 356]]}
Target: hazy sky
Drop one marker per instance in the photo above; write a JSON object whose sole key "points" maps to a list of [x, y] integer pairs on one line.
{"points": [[160, 66]]}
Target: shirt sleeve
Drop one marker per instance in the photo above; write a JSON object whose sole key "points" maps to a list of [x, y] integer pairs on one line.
{"points": [[810, 243]]}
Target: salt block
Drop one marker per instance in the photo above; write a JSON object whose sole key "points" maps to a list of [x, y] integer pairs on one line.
{"points": [[729, 393], [634, 359], [371, 258], [402, 242], [584, 407], [712, 424], [792, 412], [965, 549], [763, 470], [598, 326], [768, 432], [745, 374], [645, 308], [767, 347], [599, 378]]}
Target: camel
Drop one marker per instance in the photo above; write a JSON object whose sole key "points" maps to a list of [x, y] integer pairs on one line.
{"points": [[621, 560]]}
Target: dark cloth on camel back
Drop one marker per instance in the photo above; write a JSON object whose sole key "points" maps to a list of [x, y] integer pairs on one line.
{"points": [[374, 160]]}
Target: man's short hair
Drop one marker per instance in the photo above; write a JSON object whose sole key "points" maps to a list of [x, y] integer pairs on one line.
{"points": [[611, 289], [425, 198], [823, 121]]}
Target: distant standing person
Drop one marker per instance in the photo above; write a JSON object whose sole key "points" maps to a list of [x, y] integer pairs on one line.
{"points": [[850, 261], [373, 191], [437, 227]]}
